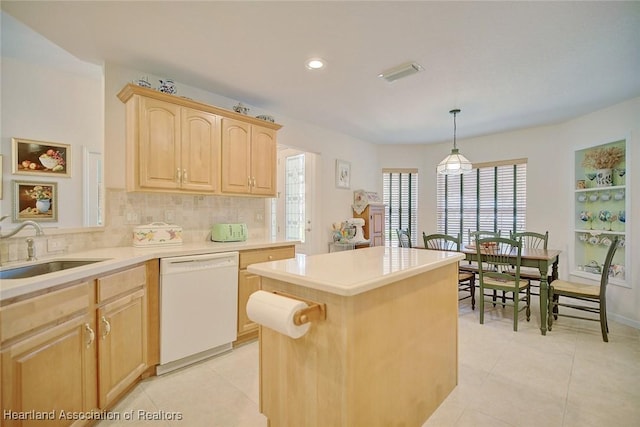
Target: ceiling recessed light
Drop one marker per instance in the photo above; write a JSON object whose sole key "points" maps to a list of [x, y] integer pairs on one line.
{"points": [[315, 63]]}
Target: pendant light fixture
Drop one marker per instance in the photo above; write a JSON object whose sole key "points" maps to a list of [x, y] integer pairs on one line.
{"points": [[455, 163]]}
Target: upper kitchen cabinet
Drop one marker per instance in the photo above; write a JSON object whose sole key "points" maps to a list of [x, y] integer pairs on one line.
{"points": [[177, 148], [174, 145], [248, 158]]}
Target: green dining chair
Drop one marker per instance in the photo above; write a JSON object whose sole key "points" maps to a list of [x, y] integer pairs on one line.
{"points": [[466, 279], [595, 295], [404, 238], [531, 239], [499, 270], [473, 236], [472, 266], [482, 234]]}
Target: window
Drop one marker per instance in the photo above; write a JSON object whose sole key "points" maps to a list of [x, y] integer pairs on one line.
{"points": [[493, 197], [400, 195]]}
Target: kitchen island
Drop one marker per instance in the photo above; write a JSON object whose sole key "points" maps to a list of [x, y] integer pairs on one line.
{"points": [[386, 354]]}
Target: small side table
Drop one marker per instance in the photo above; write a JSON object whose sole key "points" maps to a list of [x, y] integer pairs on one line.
{"points": [[346, 246], [338, 247]]}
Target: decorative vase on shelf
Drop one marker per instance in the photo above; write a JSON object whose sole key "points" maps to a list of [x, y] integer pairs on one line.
{"points": [[604, 177], [43, 205]]}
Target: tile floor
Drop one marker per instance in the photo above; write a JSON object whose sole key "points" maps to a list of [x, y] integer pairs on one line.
{"points": [[569, 378]]}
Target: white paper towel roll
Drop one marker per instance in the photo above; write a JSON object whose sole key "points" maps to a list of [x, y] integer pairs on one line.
{"points": [[276, 312]]}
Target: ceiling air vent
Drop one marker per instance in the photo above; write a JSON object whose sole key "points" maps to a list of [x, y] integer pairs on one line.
{"points": [[404, 70]]}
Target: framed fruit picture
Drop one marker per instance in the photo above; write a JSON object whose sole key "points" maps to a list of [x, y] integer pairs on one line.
{"points": [[35, 200], [31, 157]]}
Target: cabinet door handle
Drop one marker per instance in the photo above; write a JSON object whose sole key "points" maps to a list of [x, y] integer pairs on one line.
{"points": [[184, 176], [178, 176], [248, 181], [107, 327], [92, 335]]}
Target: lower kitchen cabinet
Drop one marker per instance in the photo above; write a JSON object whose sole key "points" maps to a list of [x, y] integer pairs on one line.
{"points": [[54, 368], [248, 283], [76, 349], [122, 346], [122, 326]]}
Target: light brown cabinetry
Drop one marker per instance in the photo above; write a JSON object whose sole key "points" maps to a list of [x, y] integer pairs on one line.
{"points": [[74, 349], [248, 158], [342, 373], [122, 330], [48, 357], [176, 148], [248, 283], [373, 229], [173, 144]]}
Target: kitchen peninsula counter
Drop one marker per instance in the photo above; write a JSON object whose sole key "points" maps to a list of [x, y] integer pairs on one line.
{"points": [[387, 352]]}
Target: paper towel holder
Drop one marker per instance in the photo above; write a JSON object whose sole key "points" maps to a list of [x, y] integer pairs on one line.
{"points": [[314, 311]]}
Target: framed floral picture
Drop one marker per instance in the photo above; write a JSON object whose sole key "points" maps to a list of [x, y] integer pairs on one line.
{"points": [[31, 157], [34, 200], [343, 174]]}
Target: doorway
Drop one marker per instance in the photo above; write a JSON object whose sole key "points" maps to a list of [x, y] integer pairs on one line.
{"points": [[292, 211]]}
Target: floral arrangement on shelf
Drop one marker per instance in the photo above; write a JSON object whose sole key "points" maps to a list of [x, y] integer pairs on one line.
{"points": [[603, 158], [39, 192]]}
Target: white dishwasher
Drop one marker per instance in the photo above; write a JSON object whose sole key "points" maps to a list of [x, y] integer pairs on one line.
{"points": [[198, 308]]}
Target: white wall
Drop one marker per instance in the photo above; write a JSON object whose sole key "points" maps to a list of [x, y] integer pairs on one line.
{"points": [[54, 101], [550, 153]]}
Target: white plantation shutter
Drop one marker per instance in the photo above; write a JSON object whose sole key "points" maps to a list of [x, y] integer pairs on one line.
{"points": [[493, 197], [471, 205], [521, 197], [486, 199], [453, 202], [400, 195], [505, 192], [441, 203]]}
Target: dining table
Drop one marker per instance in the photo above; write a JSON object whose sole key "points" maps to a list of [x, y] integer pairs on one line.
{"points": [[542, 259]]}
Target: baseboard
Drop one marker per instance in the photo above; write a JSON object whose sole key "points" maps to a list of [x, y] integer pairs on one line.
{"points": [[624, 320], [177, 364]]}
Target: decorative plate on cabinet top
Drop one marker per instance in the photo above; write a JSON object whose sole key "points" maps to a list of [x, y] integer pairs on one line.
{"points": [[266, 118]]}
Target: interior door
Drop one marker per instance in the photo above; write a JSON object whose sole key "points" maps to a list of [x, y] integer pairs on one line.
{"points": [[293, 209]]}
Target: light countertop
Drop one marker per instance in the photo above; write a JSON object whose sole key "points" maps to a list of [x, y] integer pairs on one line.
{"points": [[349, 273], [118, 257]]}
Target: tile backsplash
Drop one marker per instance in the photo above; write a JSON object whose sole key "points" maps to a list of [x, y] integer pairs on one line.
{"points": [[124, 211]]}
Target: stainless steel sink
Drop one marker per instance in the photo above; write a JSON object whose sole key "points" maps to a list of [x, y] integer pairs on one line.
{"points": [[33, 270]]}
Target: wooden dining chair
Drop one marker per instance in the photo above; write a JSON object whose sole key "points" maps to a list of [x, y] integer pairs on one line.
{"points": [[593, 294], [466, 279], [473, 236], [499, 270], [404, 238], [531, 239], [472, 266], [482, 234]]}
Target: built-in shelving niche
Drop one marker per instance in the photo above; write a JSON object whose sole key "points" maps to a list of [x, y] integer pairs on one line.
{"points": [[601, 211]]}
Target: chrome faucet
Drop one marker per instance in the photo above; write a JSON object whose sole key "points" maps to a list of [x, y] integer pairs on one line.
{"points": [[31, 250], [34, 224]]}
